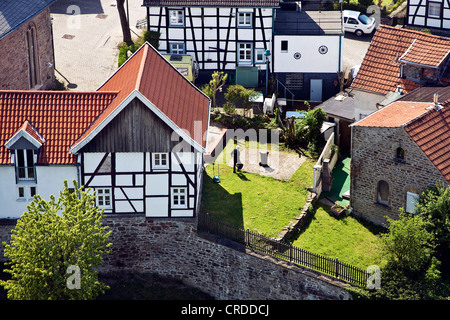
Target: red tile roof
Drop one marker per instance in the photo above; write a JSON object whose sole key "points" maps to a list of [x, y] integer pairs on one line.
{"points": [[65, 118], [431, 133], [420, 53], [155, 78], [428, 127], [31, 130], [60, 117], [395, 114], [380, 69]]}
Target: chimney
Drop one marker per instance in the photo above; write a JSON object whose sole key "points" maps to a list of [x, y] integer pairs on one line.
{"points": [[436, 99]]}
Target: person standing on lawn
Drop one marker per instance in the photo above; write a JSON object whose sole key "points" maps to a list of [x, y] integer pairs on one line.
{"points": [[235, 153]]}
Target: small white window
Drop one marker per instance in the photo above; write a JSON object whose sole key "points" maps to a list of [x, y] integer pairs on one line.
{"points": [[411, 200], [244, 19], [434, 9], [104, 198], [245, 53], [176, 48], [160, 160], [21, 193], [179, 198], [259, 55], [32, 192], [176, 17]]}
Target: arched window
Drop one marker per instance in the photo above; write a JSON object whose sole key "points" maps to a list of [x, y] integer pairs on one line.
{"points": [[383, 192], [33, 56]]}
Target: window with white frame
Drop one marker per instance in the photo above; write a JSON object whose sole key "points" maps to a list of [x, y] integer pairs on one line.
{"points": [[176, 17], [179, 198], [244, 19], [104, 198], [24, 163], [412, 197], [160, 160], [176, 47], [20, 193], [259, 55], [434, 9], [284, 46], [245, 53]]}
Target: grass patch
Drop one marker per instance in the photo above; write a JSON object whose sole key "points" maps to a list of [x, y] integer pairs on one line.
{"points": [[246, 200], [348, 239]]}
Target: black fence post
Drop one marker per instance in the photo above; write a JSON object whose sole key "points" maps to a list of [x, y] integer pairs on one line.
{"points": [[337, 267]]}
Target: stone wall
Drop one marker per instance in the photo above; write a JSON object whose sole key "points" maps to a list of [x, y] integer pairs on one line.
{"points": [[14, 74], [224, 270], [373, 159]]}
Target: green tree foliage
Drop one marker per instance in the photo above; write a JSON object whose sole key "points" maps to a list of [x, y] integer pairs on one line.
{"points": [[408, 245], [237, 93], [219, 79], [49, 239], [434, 206]]}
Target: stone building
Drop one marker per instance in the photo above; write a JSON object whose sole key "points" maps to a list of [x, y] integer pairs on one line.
{"points": [[26, 45], [397, 152]]}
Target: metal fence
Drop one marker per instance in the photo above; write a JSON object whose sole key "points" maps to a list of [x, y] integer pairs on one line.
{"points": [[284, 251]]}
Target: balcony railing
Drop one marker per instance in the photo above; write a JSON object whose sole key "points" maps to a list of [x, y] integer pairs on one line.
{"points": [[26, 174]]}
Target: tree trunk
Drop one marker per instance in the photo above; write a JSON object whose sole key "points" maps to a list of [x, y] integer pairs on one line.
{"points": [[124, 22]]}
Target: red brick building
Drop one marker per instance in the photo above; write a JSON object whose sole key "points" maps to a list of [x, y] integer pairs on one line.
{"points": [[26, 45]]}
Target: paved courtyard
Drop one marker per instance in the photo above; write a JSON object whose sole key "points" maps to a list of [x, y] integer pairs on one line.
{"points": [[86, 37]]}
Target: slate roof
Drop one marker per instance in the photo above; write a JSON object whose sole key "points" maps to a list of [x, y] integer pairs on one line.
{"points": [[380, 69], [427, 125], [13, 13], [65, 118], [212, 3]]}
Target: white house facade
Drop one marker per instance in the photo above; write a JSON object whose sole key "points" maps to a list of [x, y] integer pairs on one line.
{"points": [[428, 13], [138, 141], [221, 35]]}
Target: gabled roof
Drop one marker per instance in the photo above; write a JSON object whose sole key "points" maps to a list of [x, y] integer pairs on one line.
{"points": [[431, 132], [28, 131], [171, 96], [69, 119], [427, 124], [380, 69], [58, 116], [212, 3], [13, 13], [420, 53]]}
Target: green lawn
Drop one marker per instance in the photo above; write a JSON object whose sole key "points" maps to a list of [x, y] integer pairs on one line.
{"points": [[347, 238], [261, 204]]}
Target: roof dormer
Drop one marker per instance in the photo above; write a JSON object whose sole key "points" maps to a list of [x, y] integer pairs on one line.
{"points": [[26, 137]]}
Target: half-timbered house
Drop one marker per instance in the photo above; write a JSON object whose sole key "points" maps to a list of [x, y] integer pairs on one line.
{"points": [[138, 141], [229, 35], [428, 13]]}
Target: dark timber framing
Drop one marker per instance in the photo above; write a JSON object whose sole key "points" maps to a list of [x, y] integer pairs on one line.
{"points": [[417, 14], [211, 34]]}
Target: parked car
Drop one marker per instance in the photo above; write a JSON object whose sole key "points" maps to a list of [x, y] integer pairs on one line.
{"points": [[358, 23]]}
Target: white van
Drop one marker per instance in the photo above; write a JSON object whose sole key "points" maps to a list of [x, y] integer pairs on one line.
{"points": [[358, 23]]}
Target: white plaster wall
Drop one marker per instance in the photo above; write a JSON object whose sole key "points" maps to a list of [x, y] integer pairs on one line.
{"points": [[311, 60], [50, 180]]}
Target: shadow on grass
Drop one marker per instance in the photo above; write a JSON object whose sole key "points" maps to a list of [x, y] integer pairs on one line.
{"points": [[219, 203]]}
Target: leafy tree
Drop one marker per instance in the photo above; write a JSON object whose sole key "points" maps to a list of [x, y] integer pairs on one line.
{"points": [[237, 93], [434, 206], [51, 239], [408, 245], [219, 78]]}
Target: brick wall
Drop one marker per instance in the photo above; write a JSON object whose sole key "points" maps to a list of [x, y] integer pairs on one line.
{"points": [[373, 154], [14, 73], [174, 248]]}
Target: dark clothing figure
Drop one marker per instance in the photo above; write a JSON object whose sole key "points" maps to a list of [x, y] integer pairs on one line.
{"points": [[235, 153]]}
